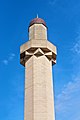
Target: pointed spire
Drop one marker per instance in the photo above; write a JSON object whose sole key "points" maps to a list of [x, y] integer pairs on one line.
{"points": [[37, 15]]}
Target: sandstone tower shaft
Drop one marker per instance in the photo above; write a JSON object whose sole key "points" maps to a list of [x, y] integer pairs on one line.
{"points": [[38, 55]]}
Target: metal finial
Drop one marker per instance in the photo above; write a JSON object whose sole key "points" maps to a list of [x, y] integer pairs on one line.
{"points": [[37, 15]]}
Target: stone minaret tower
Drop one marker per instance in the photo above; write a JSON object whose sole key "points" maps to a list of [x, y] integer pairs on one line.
{"points": [[37, 56]]}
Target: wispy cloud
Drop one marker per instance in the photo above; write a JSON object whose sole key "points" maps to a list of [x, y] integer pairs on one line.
{"points": [[9, 59], [76, 46], [5, 62], [52, 2], [68, 101], [11, 56]]}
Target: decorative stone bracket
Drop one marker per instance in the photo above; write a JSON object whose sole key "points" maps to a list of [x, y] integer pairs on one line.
{"points": [[37, 48]]}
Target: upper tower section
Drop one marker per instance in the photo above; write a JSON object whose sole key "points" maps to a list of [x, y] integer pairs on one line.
{"points": [[37, 29], [38, 44]]}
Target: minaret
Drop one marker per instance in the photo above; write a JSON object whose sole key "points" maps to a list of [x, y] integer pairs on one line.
{"points": [[37, 56]]}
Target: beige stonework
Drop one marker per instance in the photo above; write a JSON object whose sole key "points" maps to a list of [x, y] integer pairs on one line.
{"points": [[38, 31], [38, 55]]}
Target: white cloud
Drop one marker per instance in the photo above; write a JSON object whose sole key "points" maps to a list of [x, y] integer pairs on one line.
{"points": [[5, 62], [9, 59], [12, 55], [76, 45], [76, 48], [68, 101], [52, 2]]}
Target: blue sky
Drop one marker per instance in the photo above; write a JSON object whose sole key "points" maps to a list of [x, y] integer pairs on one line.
{"points": [[63, 21]]}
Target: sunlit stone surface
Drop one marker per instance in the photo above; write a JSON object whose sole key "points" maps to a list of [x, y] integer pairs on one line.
{"points": [[37, 56]]}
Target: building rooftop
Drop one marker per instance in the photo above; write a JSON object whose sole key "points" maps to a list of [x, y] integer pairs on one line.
{"points": [[37, 21]]}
